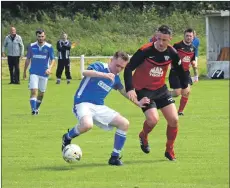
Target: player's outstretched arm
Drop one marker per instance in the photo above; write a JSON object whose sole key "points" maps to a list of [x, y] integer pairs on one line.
{"points": [[140, 103], [93, 73]]}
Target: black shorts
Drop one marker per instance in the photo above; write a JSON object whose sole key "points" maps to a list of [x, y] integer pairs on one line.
{"points": [[174, 81], [158, 98]]}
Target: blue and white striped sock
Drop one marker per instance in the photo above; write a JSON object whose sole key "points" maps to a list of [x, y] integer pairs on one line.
{"points": [[119, 141], [74, 132], [33, 102]]}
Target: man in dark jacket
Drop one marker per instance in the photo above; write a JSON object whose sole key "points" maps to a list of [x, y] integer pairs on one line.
{"points": [[63, 47]]}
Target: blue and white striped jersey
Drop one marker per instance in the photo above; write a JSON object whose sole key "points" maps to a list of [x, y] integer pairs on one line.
{"points": [[94, 90], [40, 57]]}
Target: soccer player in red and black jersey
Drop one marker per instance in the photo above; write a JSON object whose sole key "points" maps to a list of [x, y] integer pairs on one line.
{"points": [[151, 63], [186, 52]]}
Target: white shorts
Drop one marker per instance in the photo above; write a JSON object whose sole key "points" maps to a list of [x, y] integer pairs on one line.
{"points": [[102, 115], [38, 82]]}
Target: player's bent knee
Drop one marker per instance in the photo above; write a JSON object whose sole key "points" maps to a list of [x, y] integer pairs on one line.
{"points": [[124, 124], [86, 124], [152, 121], [173, 122], [186, 95], [33, 93], [177, 93]]}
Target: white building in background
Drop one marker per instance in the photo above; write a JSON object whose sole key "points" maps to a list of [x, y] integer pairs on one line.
{"points": [[218, 44]]}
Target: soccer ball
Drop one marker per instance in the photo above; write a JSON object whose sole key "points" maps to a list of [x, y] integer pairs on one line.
{"points": [[72, 153]]}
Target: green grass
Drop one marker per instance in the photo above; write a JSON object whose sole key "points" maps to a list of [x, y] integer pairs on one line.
{"points": [[31, 156]]}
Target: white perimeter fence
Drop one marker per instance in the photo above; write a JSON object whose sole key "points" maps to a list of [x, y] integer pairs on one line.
{"points": [[82, 60]]}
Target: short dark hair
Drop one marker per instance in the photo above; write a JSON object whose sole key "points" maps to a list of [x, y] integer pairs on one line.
{"points": [[189, 30], [39, 31], [122, 55], [164, 29]]}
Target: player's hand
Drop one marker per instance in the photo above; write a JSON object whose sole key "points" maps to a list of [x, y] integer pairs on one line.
{"points": [[194, 63], [132, 95], [24, 76], [3, 54], [74, 44], [48, 71], [195, 79], [143, 102], [185, 92], [110, 76]]}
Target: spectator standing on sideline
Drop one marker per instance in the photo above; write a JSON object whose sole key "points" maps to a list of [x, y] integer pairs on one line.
{"points": [[15, 49], [63, 47], [196, 44]]}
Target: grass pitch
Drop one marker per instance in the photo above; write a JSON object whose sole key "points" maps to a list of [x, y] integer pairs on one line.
{"points": [[31, 145]]}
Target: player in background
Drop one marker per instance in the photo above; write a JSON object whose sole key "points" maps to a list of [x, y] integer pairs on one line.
{"points": [[186, 52], [196, 44], [99, 79], [41, 56], [151, 63]]}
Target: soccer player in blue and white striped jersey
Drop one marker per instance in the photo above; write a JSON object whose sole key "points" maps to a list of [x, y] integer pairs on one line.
{"points": [[41, 56], [99, 79]]}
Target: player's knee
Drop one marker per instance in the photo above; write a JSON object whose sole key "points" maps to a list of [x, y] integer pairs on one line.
{"points": [[177, 93], [152, 121], [33, 93], [173, 122], [41, 94], [124, 125], [186, 95], [86, 124]]}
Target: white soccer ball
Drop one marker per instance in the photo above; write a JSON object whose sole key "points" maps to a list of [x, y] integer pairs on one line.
{"points": [[72, 153]]}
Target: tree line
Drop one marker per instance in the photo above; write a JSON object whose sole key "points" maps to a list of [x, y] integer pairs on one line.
{"points": [[21, 10]]}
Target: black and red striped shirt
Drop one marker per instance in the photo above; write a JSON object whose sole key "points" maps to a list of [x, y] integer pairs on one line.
{"points": [[186, 53], [150, 67]]}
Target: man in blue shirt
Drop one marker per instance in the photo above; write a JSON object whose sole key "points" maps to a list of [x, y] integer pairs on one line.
{"points": [[41, 56], [99, 79], [196, 44]]}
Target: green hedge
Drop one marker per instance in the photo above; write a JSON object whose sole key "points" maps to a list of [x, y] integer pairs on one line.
{"points": [[114, 30]]}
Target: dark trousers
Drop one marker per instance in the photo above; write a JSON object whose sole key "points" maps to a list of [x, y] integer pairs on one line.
{"points": [[13, 63], [63, 63]]}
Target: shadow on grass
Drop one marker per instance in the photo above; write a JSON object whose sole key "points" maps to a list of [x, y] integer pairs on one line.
{"points": [[66, 167]]}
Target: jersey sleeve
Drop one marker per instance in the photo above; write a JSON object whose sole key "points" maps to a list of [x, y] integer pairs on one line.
{"points": [[59, 46], [67, 46], [196, 52], [97, 66], [29, 52], [135, 61], [118, 85], [177, 65], [52, 57], [194, 55], [196, 43]]}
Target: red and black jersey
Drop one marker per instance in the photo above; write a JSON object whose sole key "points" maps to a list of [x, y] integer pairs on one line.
{"points": [[151, 67], [186, 53]]}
